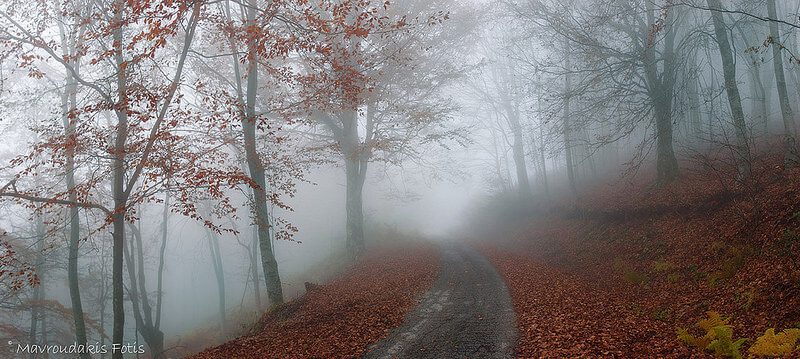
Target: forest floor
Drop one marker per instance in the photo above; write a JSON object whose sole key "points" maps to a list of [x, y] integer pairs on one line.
{"points": [[617, 275], [342, 317]]}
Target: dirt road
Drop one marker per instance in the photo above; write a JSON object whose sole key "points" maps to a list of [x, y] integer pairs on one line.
{"points": [[467, 314]]}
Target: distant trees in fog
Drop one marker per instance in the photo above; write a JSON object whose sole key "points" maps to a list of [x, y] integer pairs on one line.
{"points": [[649, 73]]}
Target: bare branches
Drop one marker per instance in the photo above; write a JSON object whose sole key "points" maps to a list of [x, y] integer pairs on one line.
{"points": [[738, 12], [50, 200]]}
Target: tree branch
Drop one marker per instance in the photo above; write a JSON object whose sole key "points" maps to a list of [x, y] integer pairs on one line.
{"points": [[27, 197]]}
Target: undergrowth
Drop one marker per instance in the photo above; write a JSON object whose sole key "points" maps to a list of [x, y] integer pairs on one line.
{"points": [[718, 338]]}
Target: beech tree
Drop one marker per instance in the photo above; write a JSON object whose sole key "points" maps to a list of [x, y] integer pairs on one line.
{"points": [[386, 65], [503, 88], [248, 59], [791, 150], [147, 316], [732, 90], [121, 44], [629, 61]]}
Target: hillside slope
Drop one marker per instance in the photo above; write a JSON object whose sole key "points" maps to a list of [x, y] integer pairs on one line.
{"points": [[617, 276]]}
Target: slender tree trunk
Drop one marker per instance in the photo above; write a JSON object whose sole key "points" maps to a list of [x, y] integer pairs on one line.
{"points": [[791, 153], [118, 193], [694, 109], [254, 265], [216, 260], [36, 300], [518, 151], [759, 105], [566, 131], [710, 114], [759, 110], [69, 104], [160, 280], [43, 316], [257, 173], [544, 163], [142, 311], [732, 89], [240, 96]]}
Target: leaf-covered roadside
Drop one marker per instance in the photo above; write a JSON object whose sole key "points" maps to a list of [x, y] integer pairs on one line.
{"points": [[341, 318], [562, 316], [619, 276]]}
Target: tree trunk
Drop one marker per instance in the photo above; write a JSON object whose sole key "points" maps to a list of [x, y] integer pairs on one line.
{"points": [[518, 151], [69, 104], [694, 109], [254, 264], [791, 154], [142, 311], [355, 172], [757, 93], [732, 89], [246, 166], [37, 292], [216, 261], [661, 92], [160, 280], [666, 163], [544, 163], [120, 197], [257, 173], [566, 130]]}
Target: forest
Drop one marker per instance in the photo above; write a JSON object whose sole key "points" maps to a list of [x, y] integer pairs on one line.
{"points": [[399, 179]]}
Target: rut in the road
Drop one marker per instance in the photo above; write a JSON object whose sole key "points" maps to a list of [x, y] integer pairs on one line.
{"points": [[467, 314]]}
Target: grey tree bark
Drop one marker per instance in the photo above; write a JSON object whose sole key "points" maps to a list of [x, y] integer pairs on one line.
{"points": [[791, 154], [219, 272], [660, 90], [118, 193], [257, 171], [518, 150], [254, 265], [68, 104], [356, 172], [566, 133], [743, 163], [38, 293], [142, 310]]}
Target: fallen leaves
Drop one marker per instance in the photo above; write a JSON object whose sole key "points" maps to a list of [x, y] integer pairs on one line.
{"points": [[560, 315], [701, 243], [341, 318]]}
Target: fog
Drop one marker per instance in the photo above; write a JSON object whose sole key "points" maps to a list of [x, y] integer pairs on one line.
{"points": [[319, 135]]}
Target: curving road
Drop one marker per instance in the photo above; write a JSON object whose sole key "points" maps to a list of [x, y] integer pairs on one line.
{"points": [[467, 314]]}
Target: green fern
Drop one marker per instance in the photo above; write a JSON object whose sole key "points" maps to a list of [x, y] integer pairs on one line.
{"points": [[724, 344], [718, 336]]}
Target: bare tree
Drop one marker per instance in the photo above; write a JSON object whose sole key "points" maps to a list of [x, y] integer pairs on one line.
{"points": [[732, 89]]}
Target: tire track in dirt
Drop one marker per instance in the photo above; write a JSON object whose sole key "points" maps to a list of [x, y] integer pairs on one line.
{"points": [[466, 314]]}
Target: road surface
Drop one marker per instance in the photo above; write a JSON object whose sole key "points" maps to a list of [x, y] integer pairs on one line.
{"points": [[467, 314]]}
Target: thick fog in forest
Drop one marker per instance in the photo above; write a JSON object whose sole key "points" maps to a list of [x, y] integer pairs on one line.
{"points": [[170, 170]]}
